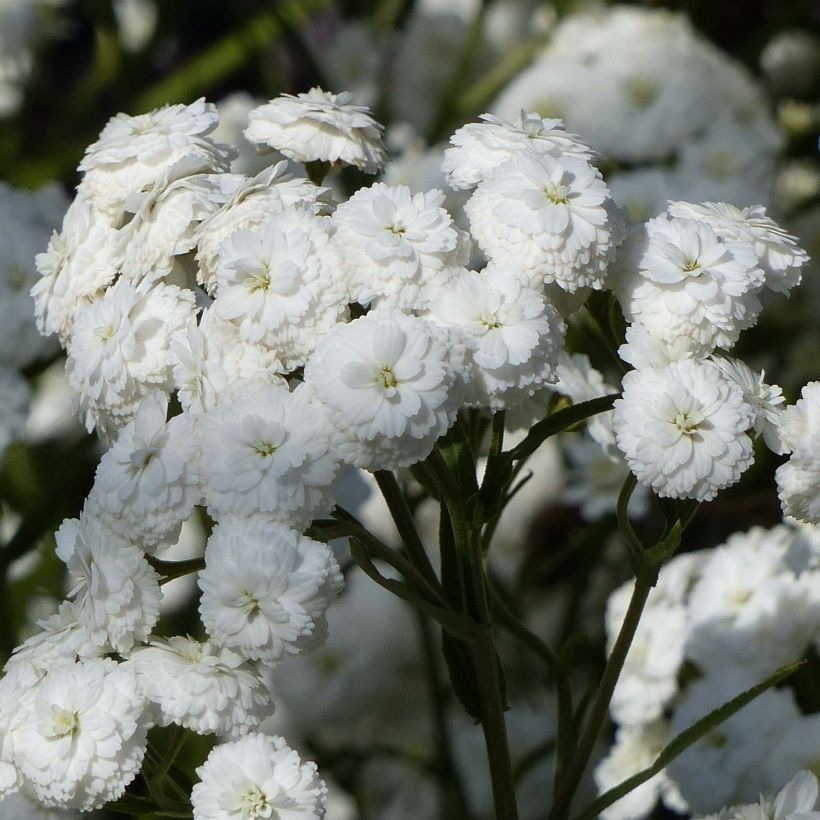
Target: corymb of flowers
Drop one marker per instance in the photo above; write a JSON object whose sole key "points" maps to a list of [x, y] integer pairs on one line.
{"points": [[247, 348]]}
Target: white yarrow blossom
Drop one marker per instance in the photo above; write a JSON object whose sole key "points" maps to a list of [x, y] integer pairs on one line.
{"points": [[270, 192], [201, 687], [212, 363], [692, 284], [395, 246], [390, 384], [779, 255], [134, 152], [257, 777], [798, 480], [279, 284], [147, 484], [119, 349], [512, 334], [267, 453], [478, 148], [319, 125], [683, 429], [265, 589], [84, 735], [116, 592], [550, 217]]}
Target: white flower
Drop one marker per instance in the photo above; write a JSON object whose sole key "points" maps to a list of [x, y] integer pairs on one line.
{"points": [[636, 748], [683, 429], [270, 192], [268, 453], [117, 594], [257, 777], [779, 255], [168, 218], [798, 482], [120, 349], [279, 284], [24, 806], [511, 332], [643, 350], [84, 739], [201, 687], [134, 152], [480, 147], [146, 485], [690, 283], [749, 609], [395, 246], [797, 799], [321, 126], [550, 217], [81, 260], [389, 382], [765, 398], [63, 639], [212, 363], [265, 589]]}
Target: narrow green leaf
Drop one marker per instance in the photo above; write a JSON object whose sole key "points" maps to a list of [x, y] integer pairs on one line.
{"points": [[684, 740], [560, 421], [462, 675]]}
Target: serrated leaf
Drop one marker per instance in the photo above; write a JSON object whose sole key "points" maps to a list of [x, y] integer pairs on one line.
{"points": [[462, 675]]}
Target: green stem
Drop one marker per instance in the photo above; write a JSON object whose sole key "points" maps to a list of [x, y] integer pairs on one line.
{"points": [[600, 702], [403, 518]]}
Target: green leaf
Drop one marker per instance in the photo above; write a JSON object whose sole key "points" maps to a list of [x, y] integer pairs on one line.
{"points": [[458, 453], [132, 804], [686, 739], [462, 674]]}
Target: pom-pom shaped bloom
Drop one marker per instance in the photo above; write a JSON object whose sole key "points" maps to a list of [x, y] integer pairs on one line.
{"points": [[265, 589], [212, 363], [168, 218], [120, 349], [318, 125], [116, 592], [511, 332], [80, 261], [641, 349], [683, 429], [779, 255], [147, 484], [798, 482], [84, 738], [256, 777], [133, 152], [268, 453], [478, 148], [270, 192], [692, 284], [395, 245], [550, 217], [766, 399], [278, 283], [389, 382], [201, 687]]}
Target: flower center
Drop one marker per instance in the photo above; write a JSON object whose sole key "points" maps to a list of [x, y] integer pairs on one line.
{"points": [[63, 722], [249, 604], [255, 804], [141, 458], [557, 193], [691, 265], [686, 423], [641, 92], [263, 448], [387, 378], [397, 228], [490, 321], [105, 333], [259, 281]]}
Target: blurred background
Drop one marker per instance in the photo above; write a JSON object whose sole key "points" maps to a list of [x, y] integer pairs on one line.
{"points": [[698, 100]]}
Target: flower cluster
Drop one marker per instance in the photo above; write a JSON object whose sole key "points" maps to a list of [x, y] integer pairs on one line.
{"points": [[718, 621]]}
